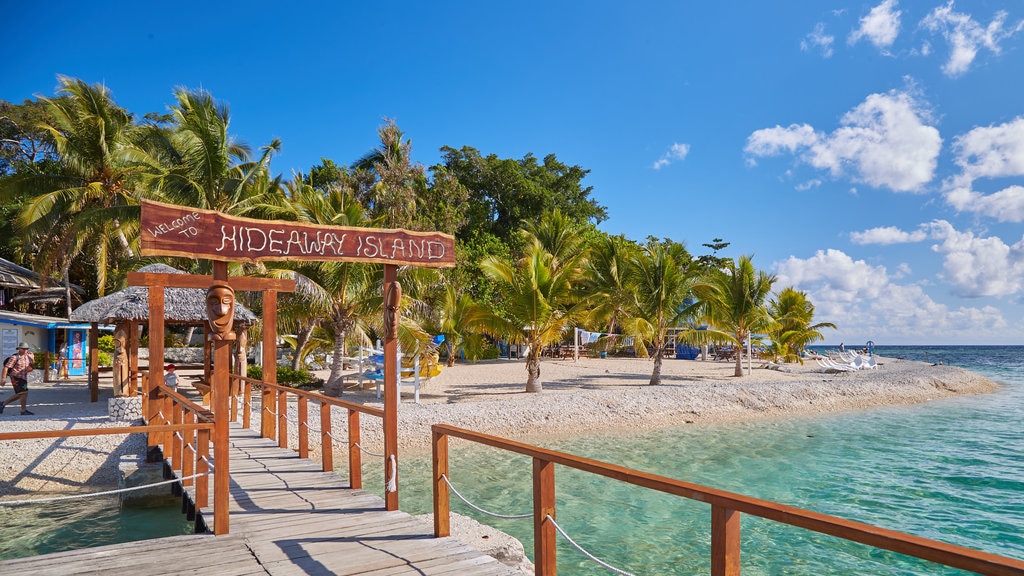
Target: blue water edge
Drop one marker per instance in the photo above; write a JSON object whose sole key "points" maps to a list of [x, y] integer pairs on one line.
{"points": [[951, 470], [44, 528]]}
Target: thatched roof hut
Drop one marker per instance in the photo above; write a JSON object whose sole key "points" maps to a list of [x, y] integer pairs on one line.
{"points": [[181, 305]]}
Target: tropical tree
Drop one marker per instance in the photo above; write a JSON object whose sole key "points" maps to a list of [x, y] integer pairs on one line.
{"points": [[462, 322], [393, 196], [663, 276], [539, 301], [203, 166], [346, 294], [605, 280], [795, 327], [736, 305], [88, 201]]}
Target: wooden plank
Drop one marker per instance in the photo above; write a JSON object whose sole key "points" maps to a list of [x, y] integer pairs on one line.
{"points": [[171, 230], [288, 518], [203, 281]]}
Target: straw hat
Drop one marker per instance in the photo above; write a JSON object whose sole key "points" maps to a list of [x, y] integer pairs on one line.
{"points": [[23, 345]]}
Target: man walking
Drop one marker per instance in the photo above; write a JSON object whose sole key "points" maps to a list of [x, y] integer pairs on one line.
{"points": [[18, 368]]}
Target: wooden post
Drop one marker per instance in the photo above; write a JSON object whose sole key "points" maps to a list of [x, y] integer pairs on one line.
{"points": [[355, 456], [188, 461], [391, 399], [207, 356], [156, 357], [177, 438], [303, 432], [282, 419], [544, 534], [202, 467], [326, 444], [133, 358], [725, 541], [246, 404], [94, 362], [442, 505], [221, 432], [268, 425]]}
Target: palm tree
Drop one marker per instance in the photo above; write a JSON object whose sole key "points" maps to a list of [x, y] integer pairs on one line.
{"points": [[662, 277], [346, 293], [204, 166], [605, 281], [538, 299], [794, 330], [736, 307], [89, 204], [462, 322], [394, 195]]}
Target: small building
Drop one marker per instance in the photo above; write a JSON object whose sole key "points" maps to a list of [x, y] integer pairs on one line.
{"points": [[46, 334]]}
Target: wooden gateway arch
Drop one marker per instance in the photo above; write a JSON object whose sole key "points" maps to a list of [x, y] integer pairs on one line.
{"points": [[182, 231]]}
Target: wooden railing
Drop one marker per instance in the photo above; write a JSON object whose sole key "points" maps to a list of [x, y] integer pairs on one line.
{"points": [[199, 429], [726, 508], [274, 424], [187, 452]]}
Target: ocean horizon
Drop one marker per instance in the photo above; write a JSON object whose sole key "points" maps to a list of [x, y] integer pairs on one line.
{"points": [[950, 469]]}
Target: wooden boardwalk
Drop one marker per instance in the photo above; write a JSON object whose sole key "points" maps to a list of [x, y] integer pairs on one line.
{"points": [[288, 518]]}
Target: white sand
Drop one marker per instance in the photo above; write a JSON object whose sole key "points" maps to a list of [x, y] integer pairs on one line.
{"points": [[586, 396]]}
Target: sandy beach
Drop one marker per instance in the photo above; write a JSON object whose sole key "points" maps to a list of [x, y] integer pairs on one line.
{"points": [[585, 396]]}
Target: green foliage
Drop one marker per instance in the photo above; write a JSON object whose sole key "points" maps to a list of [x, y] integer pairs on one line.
{"points": [[287, 376], [490, 353], [104, 359], [106, 343], [504, 193]]}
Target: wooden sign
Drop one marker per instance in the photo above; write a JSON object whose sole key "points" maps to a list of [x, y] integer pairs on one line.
{"points": [[170, 230]]}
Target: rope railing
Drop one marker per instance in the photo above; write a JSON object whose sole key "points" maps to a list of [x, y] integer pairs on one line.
{"points": [[479, 509], [726, 510], [593, 558], [367, 452], [104, 493]]}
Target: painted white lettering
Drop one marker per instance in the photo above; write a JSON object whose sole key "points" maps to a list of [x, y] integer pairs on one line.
{"points": [[260, 237], [225, 238], [273, 241], [293, 239], [396, 245], [435, 250]]}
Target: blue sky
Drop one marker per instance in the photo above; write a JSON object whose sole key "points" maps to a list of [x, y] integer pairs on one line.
{"points": [[869, 153]]}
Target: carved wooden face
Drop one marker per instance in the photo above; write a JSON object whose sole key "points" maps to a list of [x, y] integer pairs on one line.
{"points": [[220, 308]]}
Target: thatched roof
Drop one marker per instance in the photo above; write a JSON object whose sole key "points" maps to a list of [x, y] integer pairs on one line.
{"points": [[14, 276], [43, 296], [185, 305]]}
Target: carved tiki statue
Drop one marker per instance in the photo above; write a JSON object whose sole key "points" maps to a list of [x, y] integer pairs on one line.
{"points": [[120, 361], [220, 311]]}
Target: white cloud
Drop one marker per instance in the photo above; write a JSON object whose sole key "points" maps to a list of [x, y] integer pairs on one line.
{"points": [[881, 26], [810, 184], [1007, 205], [992, 151], [888, 235], [967, 36], [978, 266], [865, 303], [675, 152], [989, 152], [883, 142], [817, 38]]}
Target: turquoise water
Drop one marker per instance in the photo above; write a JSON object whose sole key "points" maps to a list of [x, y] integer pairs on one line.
{"points": [[951, 470], [43, 528]]}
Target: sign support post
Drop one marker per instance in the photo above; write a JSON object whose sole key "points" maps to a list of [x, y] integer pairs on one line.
{"points": [[392, 393]]}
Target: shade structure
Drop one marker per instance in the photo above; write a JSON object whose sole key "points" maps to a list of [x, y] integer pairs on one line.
{"points": [[181, 305]]}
